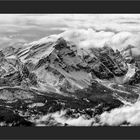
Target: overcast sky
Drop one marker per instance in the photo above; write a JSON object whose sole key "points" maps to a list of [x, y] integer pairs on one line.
{"points": [[21, 28]]}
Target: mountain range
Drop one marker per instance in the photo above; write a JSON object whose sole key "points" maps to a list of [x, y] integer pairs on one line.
{"points": [[54, 74]]}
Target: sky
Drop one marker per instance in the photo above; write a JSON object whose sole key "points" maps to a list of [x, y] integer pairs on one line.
{"points": [[17, 29]]}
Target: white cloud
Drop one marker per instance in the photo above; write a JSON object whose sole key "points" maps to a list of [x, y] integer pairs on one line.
{"points": [[105, 28], [88, 38], [98, 21], [59, 117], [129, 114]]}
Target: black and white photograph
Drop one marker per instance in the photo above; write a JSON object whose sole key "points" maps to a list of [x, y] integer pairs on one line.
{"points": [[69, 70]]}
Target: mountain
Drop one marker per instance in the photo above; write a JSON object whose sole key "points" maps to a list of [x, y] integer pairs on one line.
{"points": [[54, 74]]}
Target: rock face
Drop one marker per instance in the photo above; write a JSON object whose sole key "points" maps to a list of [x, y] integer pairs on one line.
{"points": [[56, 75], [75, 64]]}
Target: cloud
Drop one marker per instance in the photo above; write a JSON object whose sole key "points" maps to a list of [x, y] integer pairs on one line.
{"points": [[7, 41], [129, 114], [116, 22], [60, 118], [89, 38], [126, 114], [95, 30]]}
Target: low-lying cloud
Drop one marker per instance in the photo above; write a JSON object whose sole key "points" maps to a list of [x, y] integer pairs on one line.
{"points": [[126, 114], [60, 118], [129, 114]]}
